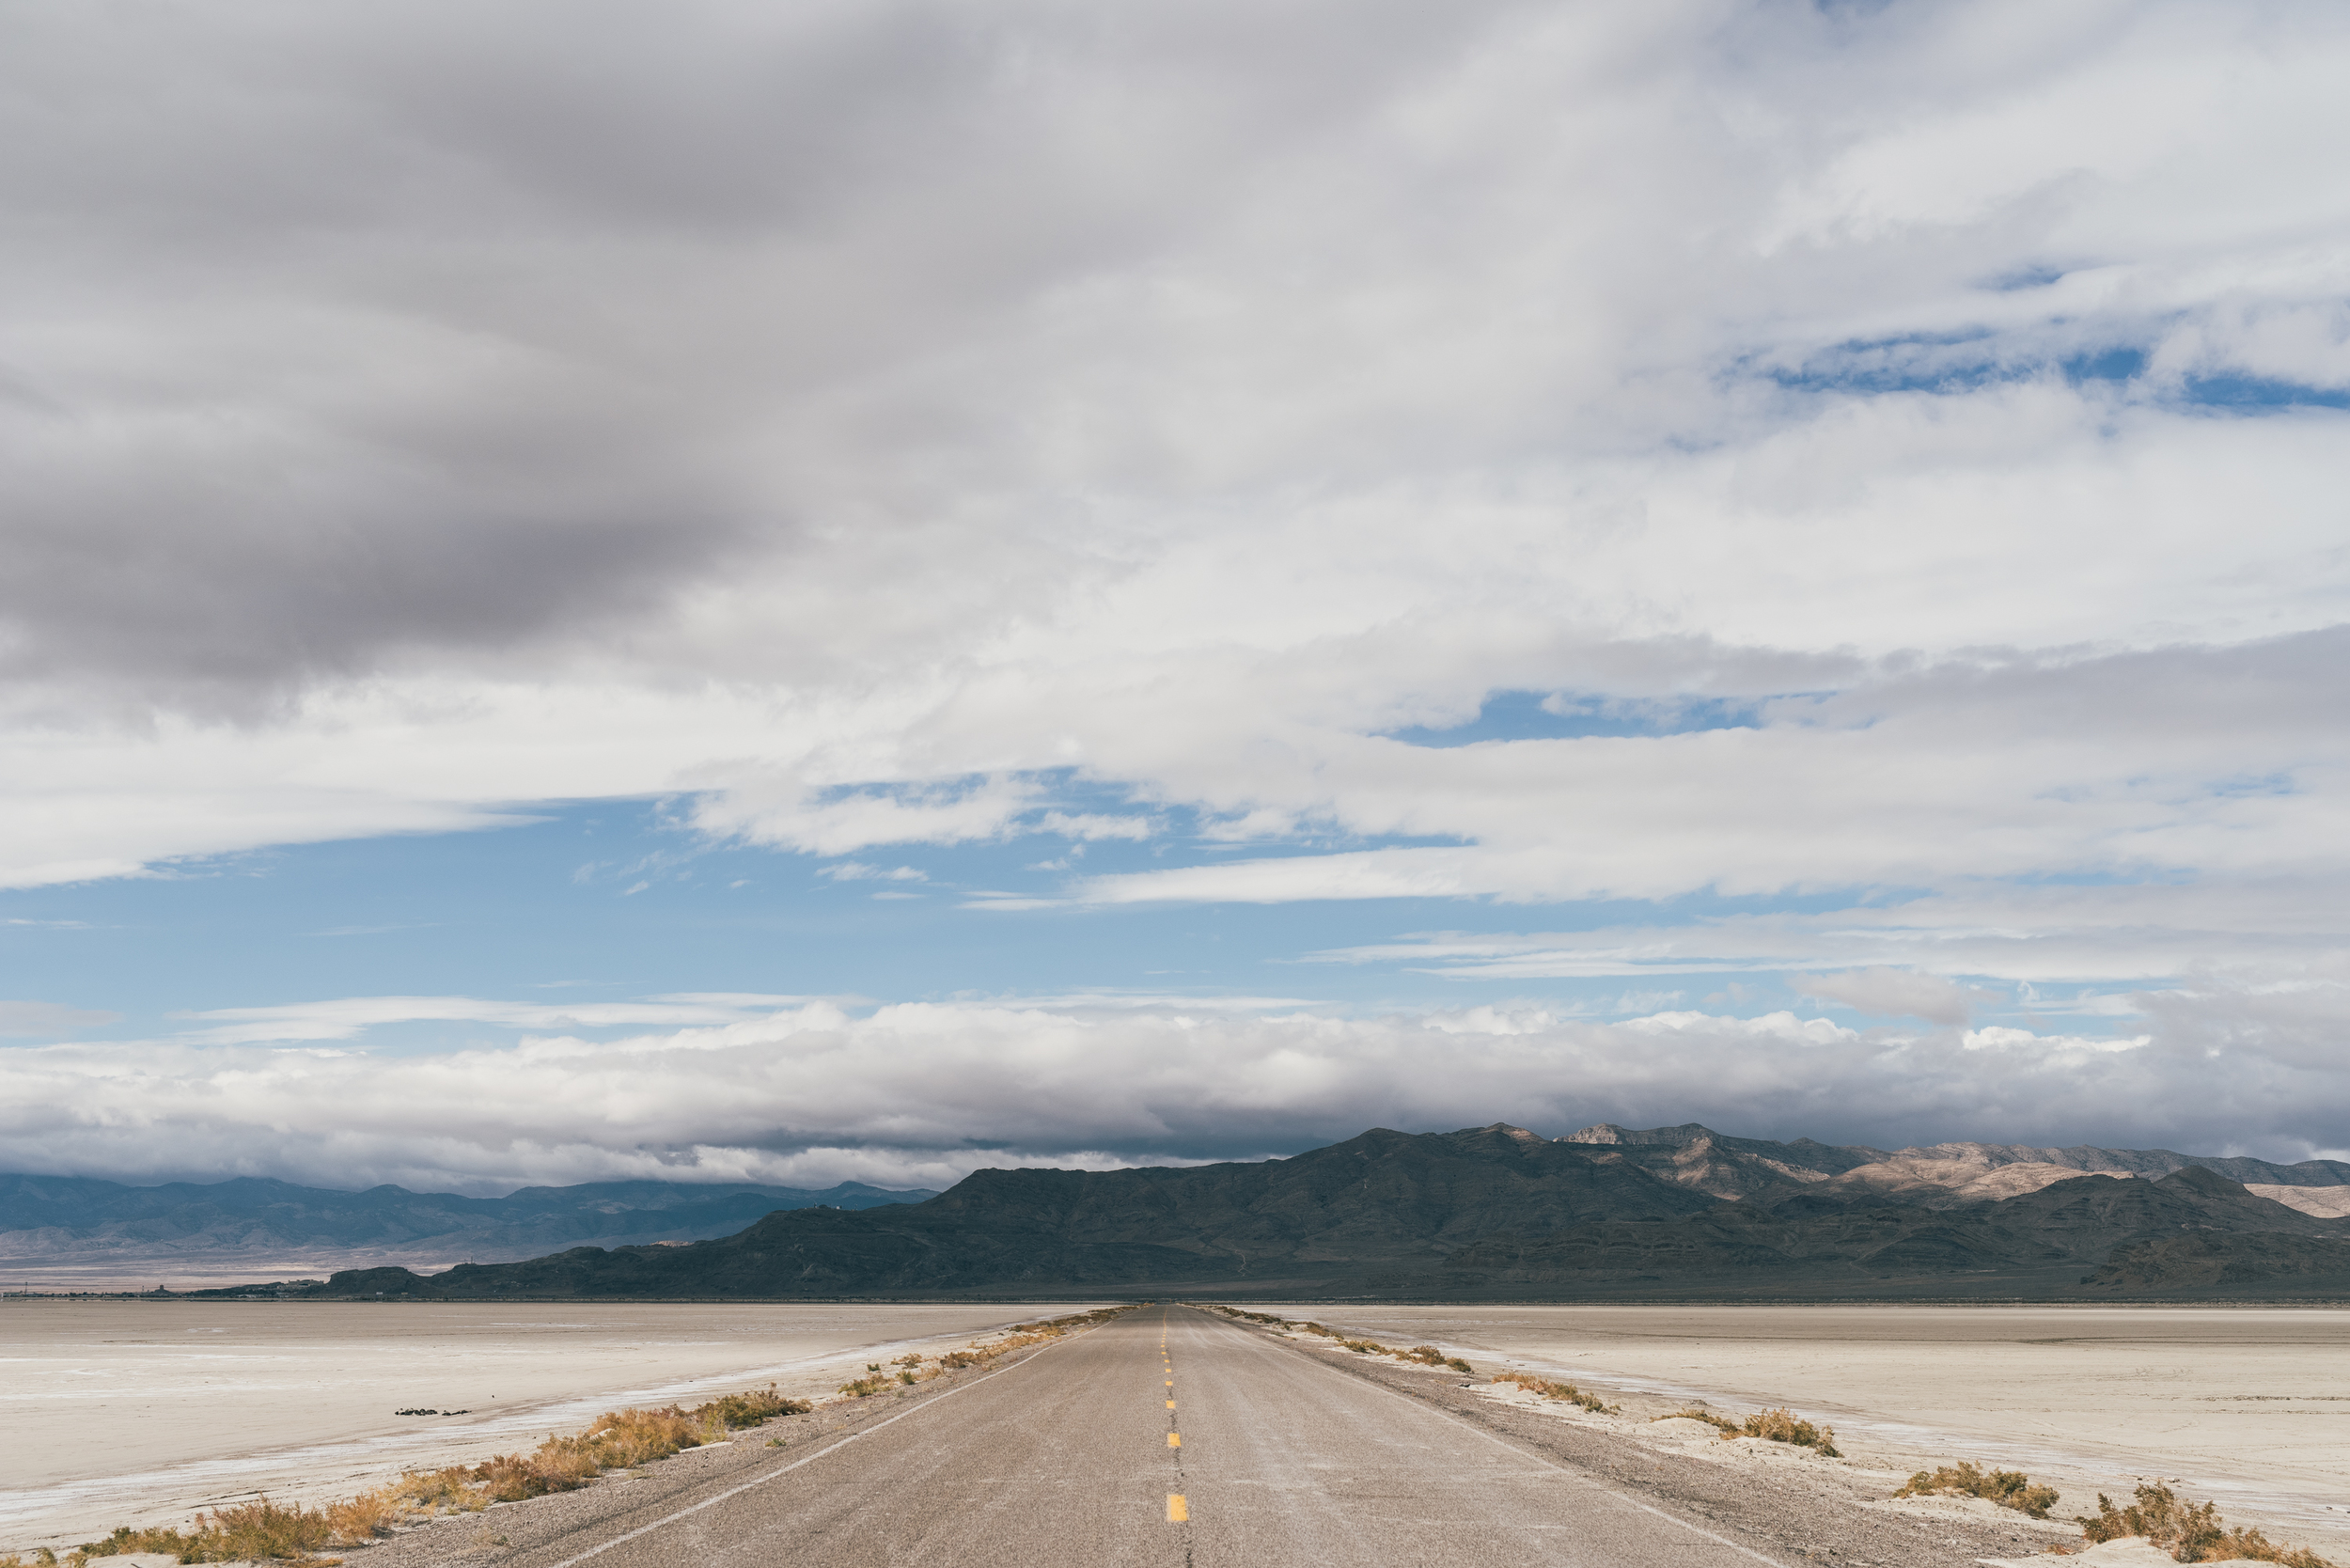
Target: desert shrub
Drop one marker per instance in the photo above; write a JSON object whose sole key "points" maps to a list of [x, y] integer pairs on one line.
{"points": [[1783, 1426], [1271, 1319], [736, 1411], [1548, 1390], [1457, 1364], [1776, 1426], [1427, 1355], [2192, 1531], [433, 1491], [1317, 1328], [2008, 1488], [1728, 1428], [973, 1355], [365, 1516], [622, 1438], [863, 1386], [257, 1531]]}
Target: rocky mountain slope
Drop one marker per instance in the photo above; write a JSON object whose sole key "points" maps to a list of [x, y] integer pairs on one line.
{"points": [[1494, 1211], [1940, 1175]]}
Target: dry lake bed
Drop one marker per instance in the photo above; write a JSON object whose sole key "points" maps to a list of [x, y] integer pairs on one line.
{"points": [[140, 1412], [136, 1412], [2246, 1405]]}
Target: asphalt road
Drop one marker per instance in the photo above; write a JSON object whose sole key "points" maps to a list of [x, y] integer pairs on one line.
{"points": [[1164, 1437]]}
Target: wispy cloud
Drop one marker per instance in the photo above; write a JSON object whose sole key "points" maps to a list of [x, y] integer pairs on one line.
{"points": [[50, 1018], [856, 870]]}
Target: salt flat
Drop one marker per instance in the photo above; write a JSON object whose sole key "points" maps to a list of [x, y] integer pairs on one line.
{"points": [[2246, 1405], [140, 1412]]}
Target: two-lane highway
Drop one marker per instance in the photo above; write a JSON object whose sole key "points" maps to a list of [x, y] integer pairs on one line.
{"points": [[1166, 1437]]}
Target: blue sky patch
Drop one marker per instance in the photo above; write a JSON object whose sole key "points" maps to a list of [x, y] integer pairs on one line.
{"points": [[1530, 716]]}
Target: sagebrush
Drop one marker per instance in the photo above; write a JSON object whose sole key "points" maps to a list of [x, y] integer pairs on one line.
{"points": [[2194, 1532], [1567, 1392], [2008, 1488], [1780, 1425]]}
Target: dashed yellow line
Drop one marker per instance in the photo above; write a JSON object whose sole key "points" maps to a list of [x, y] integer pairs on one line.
{"points": [[1174, 1439], [1177, 1510]]}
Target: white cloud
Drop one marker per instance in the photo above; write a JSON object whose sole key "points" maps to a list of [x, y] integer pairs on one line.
{"points": [[857, 870], [2245, 931], [923, 1092]]}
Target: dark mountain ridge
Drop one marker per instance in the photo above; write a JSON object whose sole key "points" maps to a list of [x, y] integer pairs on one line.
{"points": [[1492, 1212], [49, 1219]]}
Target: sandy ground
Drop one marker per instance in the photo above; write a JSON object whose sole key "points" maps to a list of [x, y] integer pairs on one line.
{"points": [[2248, 1406], [141, 1412]]}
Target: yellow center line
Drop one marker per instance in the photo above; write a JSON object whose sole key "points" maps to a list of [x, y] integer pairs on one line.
{"points": [[1177, 1509], [1174, 1439], [1170, 1404]]}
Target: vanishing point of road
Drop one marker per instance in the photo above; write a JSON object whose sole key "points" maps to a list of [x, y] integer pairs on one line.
{"points": [[1166, 1437]]}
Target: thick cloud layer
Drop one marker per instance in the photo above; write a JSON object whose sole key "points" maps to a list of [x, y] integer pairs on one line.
{"points": [[1917, 430], [924, 1093]]}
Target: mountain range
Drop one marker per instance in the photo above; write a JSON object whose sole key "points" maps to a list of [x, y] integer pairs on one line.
{"points": [[1502, 1213], [66, 1229]]}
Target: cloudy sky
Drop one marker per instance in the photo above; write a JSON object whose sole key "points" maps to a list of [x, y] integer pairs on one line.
{"points": [[868, 590]]}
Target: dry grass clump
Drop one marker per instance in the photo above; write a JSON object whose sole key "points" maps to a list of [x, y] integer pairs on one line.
{"points": [[2008, 1488], [1728, 1428], [909, 1370], [1780, 1425], [1427, 1355], [258, 1531], [1784, 1426], [1567, 1392], [620, 1439], [738, 1411], [2193, 1531]]}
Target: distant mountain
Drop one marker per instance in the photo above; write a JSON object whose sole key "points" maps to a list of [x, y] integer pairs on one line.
{"points": [[1494, 1213], [1938, 1175], [2052, 1243], [1714, 1163], [1385, 1197], [73, 1224]]}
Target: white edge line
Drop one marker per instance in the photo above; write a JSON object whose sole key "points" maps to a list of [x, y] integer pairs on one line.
{"points": [[1551, 1463], [784, 1470]]}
